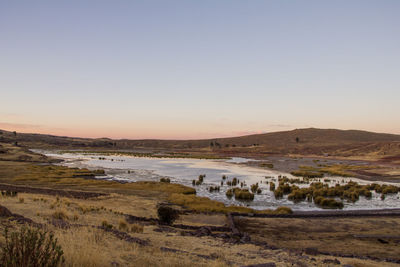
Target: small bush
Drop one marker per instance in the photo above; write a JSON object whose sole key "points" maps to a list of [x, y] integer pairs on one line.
{"points": [[278, 193], [254, 187], [60, 215], [272, 186], [165, 180], [307, 174], [284, 210], [31, 247], [106, 225], [137, 228], [229, 193], [122, 225], [214, 189], [328, 203], [243, 194], [167, 215]]}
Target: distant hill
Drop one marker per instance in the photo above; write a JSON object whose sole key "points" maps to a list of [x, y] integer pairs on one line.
{"points": [[310, 141]]}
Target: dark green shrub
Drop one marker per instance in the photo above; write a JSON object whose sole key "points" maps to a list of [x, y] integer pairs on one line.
{"points": [[167, 215], [214, 189], [328, 203], [272, 186], [284, 210], [229, 193], [297, 195], [200, 180], [307, 174], [254, 188], [278, 193], [31, 247], [390, 189], [106, 225], [351, 195], [201, 177], [165, 180], [243, 194], [235, 181]]}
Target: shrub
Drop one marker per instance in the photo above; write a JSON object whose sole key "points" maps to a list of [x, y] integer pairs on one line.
{"points": [[278, 193], [297, 195], [106, 225], [122, 225], [284, 210], [200, 180], [137, 228], [234, 182], [201, 177], [214, 188], [167, 215], [165, 180], [60, 215], [307, 174], [272, 186], [269, 165], [254, 188], [31, 247], [328, 203], [243, 194], [390, 189], [229, 193]]}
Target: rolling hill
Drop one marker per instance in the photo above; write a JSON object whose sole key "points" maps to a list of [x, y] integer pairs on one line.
{"points": [[310, 141]]}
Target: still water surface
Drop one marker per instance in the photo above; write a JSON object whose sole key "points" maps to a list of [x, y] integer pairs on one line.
{"points": [[183, 171]]}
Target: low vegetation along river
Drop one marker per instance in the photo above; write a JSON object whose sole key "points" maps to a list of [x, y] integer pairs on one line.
{"points": [[185, 170]]}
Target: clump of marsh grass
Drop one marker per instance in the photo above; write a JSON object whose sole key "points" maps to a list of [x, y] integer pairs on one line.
{"points": [[136, 228], [60, 215]]}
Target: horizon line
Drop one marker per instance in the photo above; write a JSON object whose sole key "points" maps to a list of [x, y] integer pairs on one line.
{"points": [[192, 139]]}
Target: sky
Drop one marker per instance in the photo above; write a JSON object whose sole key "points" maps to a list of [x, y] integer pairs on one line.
{"points": [[198, 69]]}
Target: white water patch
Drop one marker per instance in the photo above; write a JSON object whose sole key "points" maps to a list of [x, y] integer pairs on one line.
{"points": [[185, 170]]}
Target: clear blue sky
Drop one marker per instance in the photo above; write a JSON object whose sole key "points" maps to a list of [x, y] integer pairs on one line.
{"points": [[194, 69]]}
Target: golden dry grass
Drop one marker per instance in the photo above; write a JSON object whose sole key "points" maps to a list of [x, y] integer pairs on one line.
{"points": [[339, 235], [88, 246]]}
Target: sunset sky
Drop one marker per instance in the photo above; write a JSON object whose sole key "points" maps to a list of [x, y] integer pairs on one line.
{"points": [[198, 69]]}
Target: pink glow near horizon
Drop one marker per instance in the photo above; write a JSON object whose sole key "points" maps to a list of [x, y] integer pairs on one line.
{"points": [[198, 69], [124, 134]]}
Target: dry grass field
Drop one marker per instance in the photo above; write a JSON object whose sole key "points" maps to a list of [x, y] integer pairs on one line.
{"points": [[104, 223]]}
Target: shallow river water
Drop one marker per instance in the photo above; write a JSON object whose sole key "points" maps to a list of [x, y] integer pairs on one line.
{"points": [[183, 171]]}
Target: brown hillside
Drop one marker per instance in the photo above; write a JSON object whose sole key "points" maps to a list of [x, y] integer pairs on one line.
{"points": [[311, 141]]}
